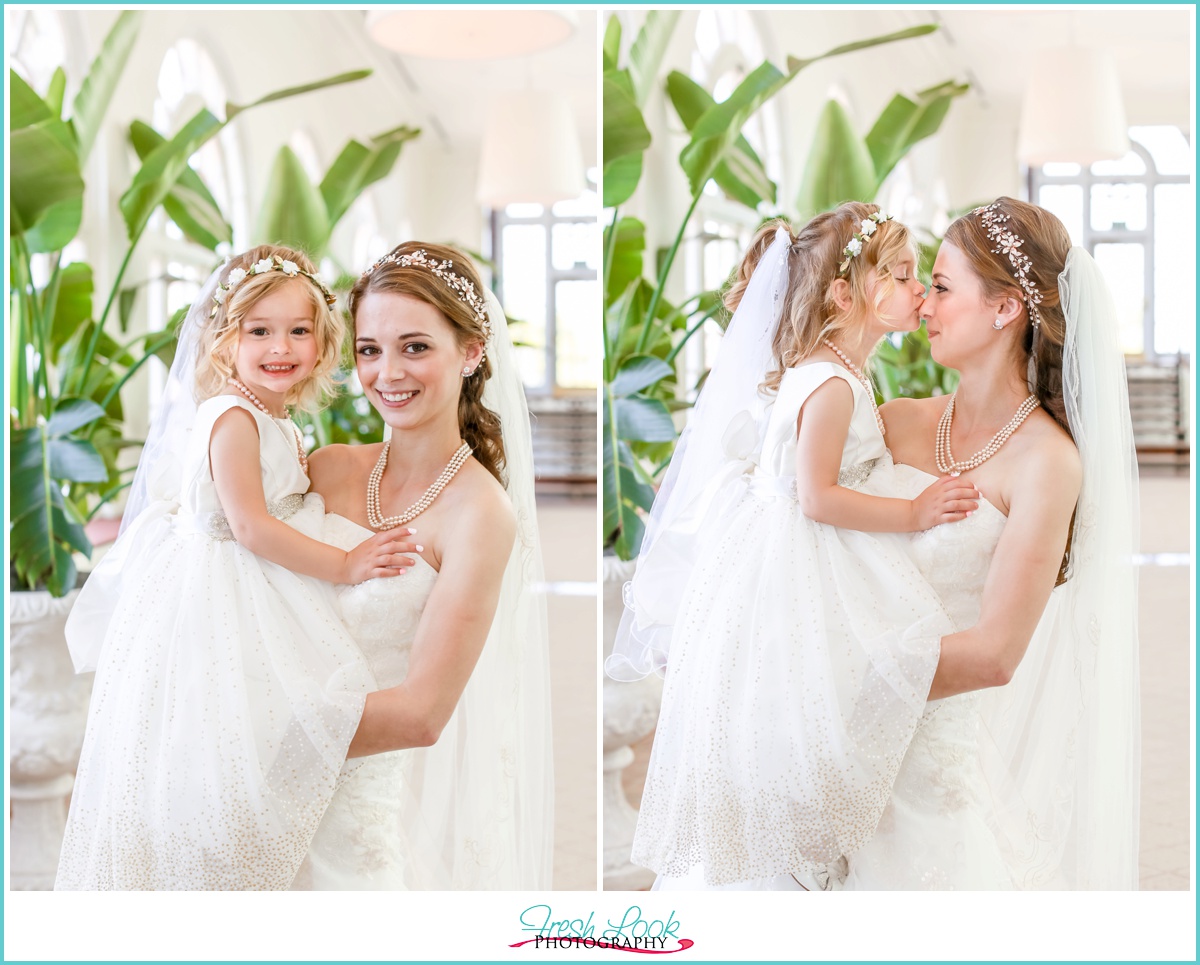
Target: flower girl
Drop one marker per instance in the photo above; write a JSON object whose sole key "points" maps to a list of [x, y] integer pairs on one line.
{"points": [[802, 640], [226, 690]]}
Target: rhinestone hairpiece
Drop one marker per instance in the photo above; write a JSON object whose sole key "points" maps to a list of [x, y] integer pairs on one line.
{"points": [[237, 275], [1009, 243], [462, 287], [861, 236]]}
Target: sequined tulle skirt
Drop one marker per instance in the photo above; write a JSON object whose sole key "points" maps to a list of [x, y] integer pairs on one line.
{"points": [[798, 672], [226, 695]]}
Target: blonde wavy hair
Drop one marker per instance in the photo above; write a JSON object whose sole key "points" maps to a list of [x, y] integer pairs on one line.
{"points": [[810, 313], [217, 348]]}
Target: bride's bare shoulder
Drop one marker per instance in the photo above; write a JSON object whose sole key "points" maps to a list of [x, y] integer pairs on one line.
{"points": [[902, 415], [480, 503], [332, 467]]}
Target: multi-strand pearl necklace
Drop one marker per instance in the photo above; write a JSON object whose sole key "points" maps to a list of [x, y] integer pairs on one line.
{"points": [[945, 458], [866, 383], [245, 390], [374, 512]]}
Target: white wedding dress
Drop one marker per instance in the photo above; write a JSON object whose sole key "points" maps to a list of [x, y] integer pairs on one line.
{"points": [[798, 671], [937, 831], [371, 837]]}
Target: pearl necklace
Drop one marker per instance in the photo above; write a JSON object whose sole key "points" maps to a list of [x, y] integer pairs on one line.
{"points": [[374, 512], [245, 390], [866, 383], [945, 458]]}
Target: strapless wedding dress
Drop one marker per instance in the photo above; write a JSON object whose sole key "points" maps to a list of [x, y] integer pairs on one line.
{"points": [[372, 837]]}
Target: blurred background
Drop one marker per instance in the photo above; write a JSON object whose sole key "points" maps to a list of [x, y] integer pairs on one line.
{"points": [[718, 118], [134, 173]]}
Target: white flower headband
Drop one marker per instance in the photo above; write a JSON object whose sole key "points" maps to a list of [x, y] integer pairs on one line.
{"points": [[1009, 243], [865, 230], [237, 275], [462, 287]]}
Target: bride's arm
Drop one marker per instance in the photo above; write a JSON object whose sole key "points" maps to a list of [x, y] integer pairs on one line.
{"points": [[453, 629], [1021, 576]]}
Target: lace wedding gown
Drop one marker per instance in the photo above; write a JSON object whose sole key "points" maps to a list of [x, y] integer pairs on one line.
{"points": [[371, 837], [798, 671], [226, 691], [936, 832]]}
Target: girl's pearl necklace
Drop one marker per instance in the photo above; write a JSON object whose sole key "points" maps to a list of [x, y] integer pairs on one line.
{"points": [[866, 383], [245, 390], [945, 458], [374, 513]]}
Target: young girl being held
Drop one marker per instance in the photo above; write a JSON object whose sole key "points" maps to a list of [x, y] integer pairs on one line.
{"points": [[802, 640], [227, 690]]}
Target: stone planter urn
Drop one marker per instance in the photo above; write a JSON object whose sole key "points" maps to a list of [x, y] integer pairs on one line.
{"points": [[47, 716], [630, 713]]}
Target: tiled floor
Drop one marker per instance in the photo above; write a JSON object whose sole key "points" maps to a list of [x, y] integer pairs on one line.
{"points": [[1166, 674], [568, 531]]}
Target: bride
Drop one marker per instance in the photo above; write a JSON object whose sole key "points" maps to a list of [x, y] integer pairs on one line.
{"points": [[457, 790], [1023, 769]]}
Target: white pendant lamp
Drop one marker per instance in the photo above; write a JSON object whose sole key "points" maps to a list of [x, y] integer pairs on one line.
{"points": [[530, 151], [1073, 111], [440, 34]]}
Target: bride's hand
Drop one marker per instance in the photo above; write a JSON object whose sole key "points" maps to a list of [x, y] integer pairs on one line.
{"points": [[945, 501], [380, 555]]}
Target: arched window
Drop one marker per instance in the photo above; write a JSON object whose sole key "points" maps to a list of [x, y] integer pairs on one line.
{"points": [[1135, 215]]}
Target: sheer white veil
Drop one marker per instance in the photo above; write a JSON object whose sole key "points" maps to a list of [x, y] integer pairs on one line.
{"points": [[1062, 739], [485, 790], [156, 489], [721, 427]]}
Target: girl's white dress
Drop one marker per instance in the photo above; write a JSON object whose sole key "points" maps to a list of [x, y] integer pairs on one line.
{"points": [[227, 691], [798, 671]]}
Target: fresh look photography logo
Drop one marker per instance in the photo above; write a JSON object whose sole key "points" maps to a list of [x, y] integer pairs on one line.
{"points": [[630, 932]]}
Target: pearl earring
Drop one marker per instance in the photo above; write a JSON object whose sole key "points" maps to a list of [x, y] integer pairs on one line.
{"points": [[467, 370], [997, 325]]}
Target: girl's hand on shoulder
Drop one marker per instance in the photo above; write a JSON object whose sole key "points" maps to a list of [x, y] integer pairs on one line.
{"points": [[381, 555], [946, 501]]}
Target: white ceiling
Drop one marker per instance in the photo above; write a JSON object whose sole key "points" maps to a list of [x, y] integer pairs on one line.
{"points": [[453, 95], [1151, 47]]}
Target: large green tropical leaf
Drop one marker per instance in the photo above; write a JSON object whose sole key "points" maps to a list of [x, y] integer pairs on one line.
{"points": [[73, 305], [717, 130], [293, 211], [627, 262], [44, 170], [611, 50], [26, 108], [639, 372], [189, 203], [742, 177], [646, 54], [87, 112], [904, 122], [625, 131], [358, 166], [162, 168], [621, 179], [57, 226], [839, 166]]}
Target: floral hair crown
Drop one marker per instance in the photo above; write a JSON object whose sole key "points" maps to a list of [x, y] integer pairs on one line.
{"points": [[864, 232], [237, 275], [1009, 243], [462, 287]]}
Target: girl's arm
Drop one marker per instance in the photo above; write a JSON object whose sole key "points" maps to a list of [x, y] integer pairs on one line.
{"points": [[233, 452], [1020, 578], [453, 629], [824, 423]]}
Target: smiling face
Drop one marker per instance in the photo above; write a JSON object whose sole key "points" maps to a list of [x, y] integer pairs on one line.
{"points": [[409, 360], [277, 347]]}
